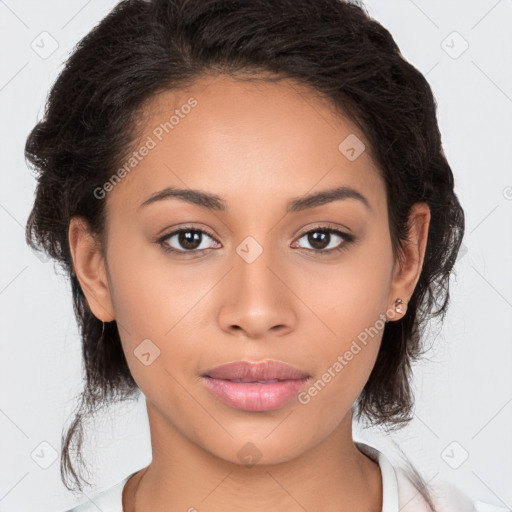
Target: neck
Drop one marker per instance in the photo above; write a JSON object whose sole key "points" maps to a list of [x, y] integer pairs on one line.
{"points": [[184, 476]]}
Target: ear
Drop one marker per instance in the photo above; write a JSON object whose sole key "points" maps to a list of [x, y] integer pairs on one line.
{"points": [[407, 269], [90, 269]]}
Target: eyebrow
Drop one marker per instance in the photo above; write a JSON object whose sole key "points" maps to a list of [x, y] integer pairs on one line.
{"points": [[214, 202]]}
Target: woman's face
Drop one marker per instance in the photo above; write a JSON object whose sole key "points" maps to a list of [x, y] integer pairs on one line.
{"points": [[256, 274]]}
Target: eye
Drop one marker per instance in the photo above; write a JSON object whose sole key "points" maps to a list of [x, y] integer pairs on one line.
{"points": [[187, 240], [193, 240], [321, 240]]}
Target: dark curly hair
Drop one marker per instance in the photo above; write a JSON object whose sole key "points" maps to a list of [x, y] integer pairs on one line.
{"points": [[142, 48]]}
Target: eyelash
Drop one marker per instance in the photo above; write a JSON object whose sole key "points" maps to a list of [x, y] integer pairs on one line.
{"points": [[348, 239]]}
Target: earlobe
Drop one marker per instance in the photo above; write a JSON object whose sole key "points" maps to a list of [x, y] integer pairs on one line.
{"points": [[407, 271], [89, 267]]}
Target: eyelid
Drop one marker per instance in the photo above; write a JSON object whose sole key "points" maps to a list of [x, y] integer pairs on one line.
{"points": [[326, 226]]}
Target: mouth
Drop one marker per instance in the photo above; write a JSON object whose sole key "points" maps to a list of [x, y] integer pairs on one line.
{"points": [[248, 386]]}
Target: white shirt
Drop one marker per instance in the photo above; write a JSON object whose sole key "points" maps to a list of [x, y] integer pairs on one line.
{"points": [[398, 493]]}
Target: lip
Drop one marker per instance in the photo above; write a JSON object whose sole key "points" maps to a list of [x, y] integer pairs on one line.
{"points": [[265, 370], [281, 382]]}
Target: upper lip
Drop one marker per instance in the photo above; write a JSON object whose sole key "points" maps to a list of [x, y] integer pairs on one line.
{"points": [[265, 370]]}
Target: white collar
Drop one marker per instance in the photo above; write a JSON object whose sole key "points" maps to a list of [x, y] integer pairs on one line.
{"points": [[390, 497]]}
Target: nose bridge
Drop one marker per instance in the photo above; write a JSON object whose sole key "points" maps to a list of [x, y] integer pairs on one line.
{"points": [[256, 298], [252, 267]]}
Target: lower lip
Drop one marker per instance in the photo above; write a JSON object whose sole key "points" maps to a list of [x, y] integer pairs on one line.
{"points": [[255, 396]]}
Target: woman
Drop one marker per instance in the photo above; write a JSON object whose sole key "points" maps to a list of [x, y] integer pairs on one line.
{"points": [[258, 220]]}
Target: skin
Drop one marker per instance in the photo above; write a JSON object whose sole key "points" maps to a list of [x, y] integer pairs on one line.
{"points": [[256, 145]]}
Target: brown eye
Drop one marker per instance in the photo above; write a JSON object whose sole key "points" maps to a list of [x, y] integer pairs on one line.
{"points": [[186, 240], [325, 240]]}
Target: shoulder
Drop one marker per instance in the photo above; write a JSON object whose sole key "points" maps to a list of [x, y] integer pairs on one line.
{"points": [[108, 500], [439, 497], [404, 489]]}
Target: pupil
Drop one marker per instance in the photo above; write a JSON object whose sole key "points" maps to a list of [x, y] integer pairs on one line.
{"points": [[318, 242], [189, 239]]}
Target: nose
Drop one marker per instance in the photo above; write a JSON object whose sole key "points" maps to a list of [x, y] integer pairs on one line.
{"points": [[257, 299]]}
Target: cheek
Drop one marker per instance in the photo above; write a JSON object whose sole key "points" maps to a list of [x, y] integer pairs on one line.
{"points": [[350, 299], [157, 301], [352, 294], [150, 294]]}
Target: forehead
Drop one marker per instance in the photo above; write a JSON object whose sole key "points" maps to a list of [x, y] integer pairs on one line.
{"points": [[248, 142]]}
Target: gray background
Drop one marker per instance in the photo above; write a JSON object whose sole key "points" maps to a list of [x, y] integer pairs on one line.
{"points": [[462, 426]]}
